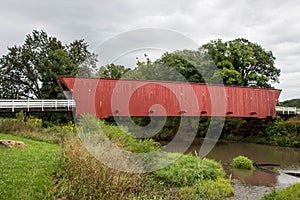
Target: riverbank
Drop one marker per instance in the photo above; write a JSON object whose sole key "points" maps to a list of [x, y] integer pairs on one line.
{"points": [[275, 132], [253, 192], [165, 175], [78, 174], [225, 151], [254, 184], [278, 132], [249, 192]]}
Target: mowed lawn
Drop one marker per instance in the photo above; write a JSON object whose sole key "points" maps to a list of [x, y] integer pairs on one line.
{"points": [[27, 173]]}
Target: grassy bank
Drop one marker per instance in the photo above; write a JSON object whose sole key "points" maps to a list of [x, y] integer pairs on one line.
{"points": [[27, 173], [76, 174], [82, 175]]}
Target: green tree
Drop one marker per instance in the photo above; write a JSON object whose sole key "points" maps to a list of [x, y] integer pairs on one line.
{"points": [[112, 71], [180, 61], [238, 62], [30, 70], [291, 103], [229, 75], [85, 61], [254, 64], [148, 70], [185, 65], [60, 63]]}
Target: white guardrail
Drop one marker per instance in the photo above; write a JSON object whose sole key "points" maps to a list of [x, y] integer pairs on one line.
{"points": [[36, 104], [286, 110], [13, 105]]}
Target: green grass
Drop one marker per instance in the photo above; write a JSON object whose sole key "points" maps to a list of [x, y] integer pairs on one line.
{"points": [[189, 170], [290, 193], [27, 173]]}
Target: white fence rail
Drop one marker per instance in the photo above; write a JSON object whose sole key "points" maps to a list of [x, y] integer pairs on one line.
{"points": [[286, 110], [14, 105]]}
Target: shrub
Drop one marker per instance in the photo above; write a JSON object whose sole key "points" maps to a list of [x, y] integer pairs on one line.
{"points": [[242, 162], [283, 133], [189, 170], [290, 193], [20, 116], [234, 126], [34, 121], [122, 138], [217, 189], [208, 189]]}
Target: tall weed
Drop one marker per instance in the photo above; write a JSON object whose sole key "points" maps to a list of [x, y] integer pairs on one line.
{"points": [[81, 176]]}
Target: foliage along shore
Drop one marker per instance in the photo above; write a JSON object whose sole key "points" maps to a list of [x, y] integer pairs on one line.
{"points": [[276, 132]]}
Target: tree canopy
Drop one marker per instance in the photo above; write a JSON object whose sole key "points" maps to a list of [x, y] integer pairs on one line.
{"points": [[112, 71], [291, 103], [30, 70], [185, 65], [237, 62], [244, 63]]}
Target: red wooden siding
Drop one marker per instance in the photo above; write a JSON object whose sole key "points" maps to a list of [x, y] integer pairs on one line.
{"points": [[111, 97]]}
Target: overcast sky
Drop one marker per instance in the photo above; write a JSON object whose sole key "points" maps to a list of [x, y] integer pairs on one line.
{"points": [[274, 24]]}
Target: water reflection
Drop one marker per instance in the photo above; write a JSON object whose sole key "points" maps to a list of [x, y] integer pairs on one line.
{"points": [[253, 177], [225, 151]]}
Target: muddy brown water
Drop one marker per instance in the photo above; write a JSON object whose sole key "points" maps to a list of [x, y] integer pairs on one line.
{"points": [[224, 151]]}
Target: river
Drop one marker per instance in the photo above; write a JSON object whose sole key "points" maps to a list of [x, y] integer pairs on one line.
{"points": [[224, 151], [253, 184]]}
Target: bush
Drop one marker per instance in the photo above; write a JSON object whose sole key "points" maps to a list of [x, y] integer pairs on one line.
{"points": [[208, 189], [234, 126], [20, 116], [189, 170], [242, 162], [217, 189], [290, 193], [282, 133], [127, 141]]}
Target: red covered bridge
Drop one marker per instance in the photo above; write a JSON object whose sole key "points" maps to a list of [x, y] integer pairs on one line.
{"points": [[117, 97]]}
